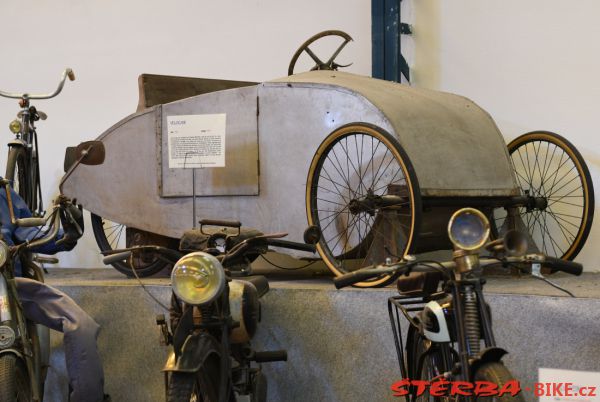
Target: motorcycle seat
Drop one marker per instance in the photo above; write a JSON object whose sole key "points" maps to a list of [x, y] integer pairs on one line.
{"points": [[260, 283], [419, 283]]}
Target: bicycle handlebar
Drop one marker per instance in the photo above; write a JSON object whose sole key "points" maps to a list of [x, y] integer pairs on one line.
{"points": [[66, 73], [556, 264]]}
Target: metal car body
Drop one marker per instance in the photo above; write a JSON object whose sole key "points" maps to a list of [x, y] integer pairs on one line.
{"points": [[272, 131]]}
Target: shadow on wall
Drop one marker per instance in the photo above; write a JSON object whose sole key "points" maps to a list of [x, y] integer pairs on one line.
{"points": [[427, 37]]}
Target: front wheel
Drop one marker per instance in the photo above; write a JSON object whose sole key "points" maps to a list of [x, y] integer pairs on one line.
{"points": [[111, 235], [496, 373], [14, 382], [16, 173], [201, 386], [363, 195]]}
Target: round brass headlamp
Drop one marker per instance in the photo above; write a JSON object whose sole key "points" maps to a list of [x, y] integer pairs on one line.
{"points": [[198, 278], [468, 229], [15, 126]]}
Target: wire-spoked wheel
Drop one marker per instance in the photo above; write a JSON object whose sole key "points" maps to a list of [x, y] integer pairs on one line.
{"points": [[112, 235], [548, 167], [363, 195]]}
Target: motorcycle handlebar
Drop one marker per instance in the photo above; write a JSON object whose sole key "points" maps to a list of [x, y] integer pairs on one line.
{"points": [[361, 275], [66, 73], [556, 264], [116, 257], [569, 267]]}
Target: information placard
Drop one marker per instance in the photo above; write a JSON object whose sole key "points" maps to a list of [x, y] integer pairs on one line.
{"points": [[567, 385], [196, 141]]}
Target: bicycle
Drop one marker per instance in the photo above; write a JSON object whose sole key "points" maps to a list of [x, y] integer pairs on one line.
{"points": [[23, 166], [447, 327]]}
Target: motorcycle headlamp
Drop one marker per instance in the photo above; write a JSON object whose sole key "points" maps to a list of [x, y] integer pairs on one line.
{"points": [[4, 251], [15, 126], [468, 229], [198, 278]]}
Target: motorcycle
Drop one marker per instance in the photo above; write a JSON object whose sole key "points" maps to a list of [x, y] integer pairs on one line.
{"points": [[214, 313], [450, 335], [24, 345]]}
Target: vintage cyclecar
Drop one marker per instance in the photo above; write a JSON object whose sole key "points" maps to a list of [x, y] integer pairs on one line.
{"points": [[374, 169]]}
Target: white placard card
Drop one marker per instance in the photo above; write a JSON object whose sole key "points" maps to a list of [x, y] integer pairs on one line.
{"points": [[556, 385], [196, 141]]}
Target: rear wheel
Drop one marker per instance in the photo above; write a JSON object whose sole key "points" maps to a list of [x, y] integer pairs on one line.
{"points": [[14, 382], [111, 235], [548, 167], [363, 195]]}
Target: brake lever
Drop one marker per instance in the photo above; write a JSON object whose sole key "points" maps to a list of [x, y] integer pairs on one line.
{"points": [[536, 272]]}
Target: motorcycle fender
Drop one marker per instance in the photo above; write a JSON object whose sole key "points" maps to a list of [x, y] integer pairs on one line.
{"points": [[17, 142], [196, 349], [487, 355], [15, 352]]}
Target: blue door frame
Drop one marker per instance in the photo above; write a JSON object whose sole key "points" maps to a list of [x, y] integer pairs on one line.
{"points": [[388, 61]]}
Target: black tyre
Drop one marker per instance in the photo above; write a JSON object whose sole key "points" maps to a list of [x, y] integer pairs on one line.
{"points": [[497, 373], [111, 235], [428, 361], [197, 387], [14, 383], [363, 195], [17, 173], [548, 166]]}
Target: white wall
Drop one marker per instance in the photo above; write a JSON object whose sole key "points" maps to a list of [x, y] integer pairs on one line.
{"points": [[532, 64]]}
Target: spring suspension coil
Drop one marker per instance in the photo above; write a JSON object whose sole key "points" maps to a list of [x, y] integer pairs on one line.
{"points": [[472, 328], [207, 312]]}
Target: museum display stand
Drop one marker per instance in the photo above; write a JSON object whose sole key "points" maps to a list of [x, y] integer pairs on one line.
{"points": [[339, 343]]}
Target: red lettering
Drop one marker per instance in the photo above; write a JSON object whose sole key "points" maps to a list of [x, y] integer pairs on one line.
{"points": [[399, 388], [461, 388], [569, 389], [421, 386], [511, 387], [485, 388], [592, 391], [538, 389], [439, 388], [556, 389]]}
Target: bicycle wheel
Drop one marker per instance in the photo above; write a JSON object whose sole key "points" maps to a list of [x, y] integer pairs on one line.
{"points": [[111, 235], [548, 166], [363, 195], [14, 382], [202, 386], [496, 373], [16, 172], [428, 361]]}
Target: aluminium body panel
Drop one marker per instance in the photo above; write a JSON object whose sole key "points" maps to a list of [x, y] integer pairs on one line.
{"points": [[455, 147], [240, 174]]}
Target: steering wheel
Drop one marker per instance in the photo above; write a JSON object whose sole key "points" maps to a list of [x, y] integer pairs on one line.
{"points": [[330, 64]]}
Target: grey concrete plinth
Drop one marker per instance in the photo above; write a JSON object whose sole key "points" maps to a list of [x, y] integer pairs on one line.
{"points": [[339, 343]]}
